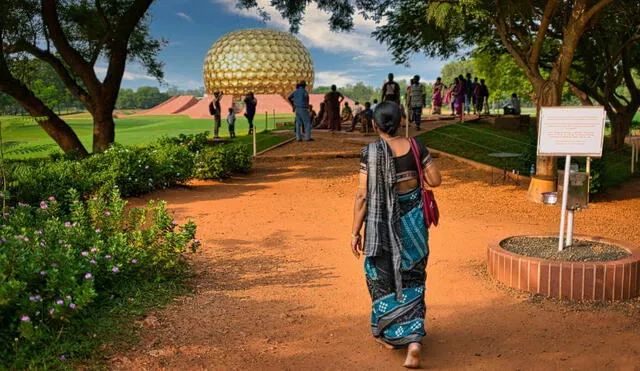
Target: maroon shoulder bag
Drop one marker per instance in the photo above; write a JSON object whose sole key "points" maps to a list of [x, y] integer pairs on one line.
{"points": [[429, 205]]}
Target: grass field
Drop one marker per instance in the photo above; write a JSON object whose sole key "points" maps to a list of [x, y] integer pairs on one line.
{"points": [[26, 139], [476, 141]]}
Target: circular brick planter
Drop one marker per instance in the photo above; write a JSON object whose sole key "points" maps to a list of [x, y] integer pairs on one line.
{"points": [[611, 280]]}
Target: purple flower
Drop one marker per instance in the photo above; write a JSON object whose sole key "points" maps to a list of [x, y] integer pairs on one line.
{"points": [[52, 311], [22, 204], [93, 249], [43, 244], [107, 213], [43, 273], [84, 253], [67, 224], [107, 256], [115, 269], [38, 297], [51, 198], [25, 318], [54, 265], [63, 358], [98, 230], [32, 298], [134, 261], [72, 306], [93, 261], [88, 276], [43, 205], [38, 232], [26, 239], [59, 302], [68, 297], [5, 214]]}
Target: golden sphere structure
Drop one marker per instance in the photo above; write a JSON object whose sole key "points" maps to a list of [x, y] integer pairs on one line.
{"points": [[261, 60]]}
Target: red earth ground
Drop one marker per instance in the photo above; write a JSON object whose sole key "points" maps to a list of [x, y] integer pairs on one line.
{"points": [[277, 287]]}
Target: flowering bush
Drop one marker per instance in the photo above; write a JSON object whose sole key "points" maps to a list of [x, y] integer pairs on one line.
{"points": [[220, 162], [57, 260]]}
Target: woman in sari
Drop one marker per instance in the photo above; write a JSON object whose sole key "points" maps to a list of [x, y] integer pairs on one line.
{"points": [[436, 98], [395, 243], [458, 103]]}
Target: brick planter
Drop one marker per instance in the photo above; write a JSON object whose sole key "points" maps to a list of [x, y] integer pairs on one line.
{"points": [[612, 280]]}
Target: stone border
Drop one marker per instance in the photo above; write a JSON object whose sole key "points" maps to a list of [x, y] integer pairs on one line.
{"points": [[273, 147], [612, 280]]}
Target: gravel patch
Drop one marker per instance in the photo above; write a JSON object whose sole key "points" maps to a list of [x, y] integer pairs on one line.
{"points": [[547, 248]]}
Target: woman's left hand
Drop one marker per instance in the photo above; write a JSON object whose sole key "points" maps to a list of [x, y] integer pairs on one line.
{"points": [[356, 246]]}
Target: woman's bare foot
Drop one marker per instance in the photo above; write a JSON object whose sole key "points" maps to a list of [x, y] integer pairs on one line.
{"points": [[382, 342], [413, 356]]}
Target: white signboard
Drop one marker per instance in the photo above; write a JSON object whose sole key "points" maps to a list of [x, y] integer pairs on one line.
{"points": [[571, 131]]}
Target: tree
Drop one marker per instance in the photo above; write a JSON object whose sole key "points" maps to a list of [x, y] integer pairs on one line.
{"points": [[453, 69], [72, 37], [502, 75], [148, 96], [524, 28], [126, 99], [604, 67]]}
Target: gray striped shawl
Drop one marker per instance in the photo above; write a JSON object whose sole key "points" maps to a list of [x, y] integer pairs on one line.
{"points": [[382, 228]]}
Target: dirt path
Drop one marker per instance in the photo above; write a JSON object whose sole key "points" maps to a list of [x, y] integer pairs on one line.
{"points": [[278, 288]]}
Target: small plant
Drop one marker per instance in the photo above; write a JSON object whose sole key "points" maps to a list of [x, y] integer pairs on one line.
{"points": [[220, 162]]}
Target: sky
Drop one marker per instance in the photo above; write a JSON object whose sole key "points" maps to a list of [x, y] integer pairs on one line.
{"points": [[192, 26]]}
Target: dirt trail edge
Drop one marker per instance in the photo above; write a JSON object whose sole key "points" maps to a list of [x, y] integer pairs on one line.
{"points": [[278, 289]]}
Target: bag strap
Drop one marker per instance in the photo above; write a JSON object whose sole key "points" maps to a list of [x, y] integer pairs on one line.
{"points": [[416, 157]]}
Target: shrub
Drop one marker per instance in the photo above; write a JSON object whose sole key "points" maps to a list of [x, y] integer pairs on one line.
{"points": [[56, 266], [219, 162]]}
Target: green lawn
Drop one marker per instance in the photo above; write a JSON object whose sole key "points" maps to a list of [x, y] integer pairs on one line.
{"points": [[476, 141], [27, 140]]}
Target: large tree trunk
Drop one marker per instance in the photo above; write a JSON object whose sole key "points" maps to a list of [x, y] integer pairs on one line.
{"points": [[104, 133], [620, 125], [57, 129], [549, 94]]}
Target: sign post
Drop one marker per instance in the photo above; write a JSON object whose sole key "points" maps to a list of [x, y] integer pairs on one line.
{"points": [[570, 131]]}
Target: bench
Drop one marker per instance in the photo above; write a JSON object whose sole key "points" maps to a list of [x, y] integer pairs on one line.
{"points": [[512, 122]]}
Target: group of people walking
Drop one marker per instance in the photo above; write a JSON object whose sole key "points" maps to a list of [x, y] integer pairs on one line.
{"points": [[464, 95]]}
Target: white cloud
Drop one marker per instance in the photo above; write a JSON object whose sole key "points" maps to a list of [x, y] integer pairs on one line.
{"points": [[339, 78], [315, 33], [184, 16], [128, 76]]}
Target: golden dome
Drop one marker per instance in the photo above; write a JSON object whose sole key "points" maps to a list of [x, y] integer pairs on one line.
{"points": [[260, 60]]}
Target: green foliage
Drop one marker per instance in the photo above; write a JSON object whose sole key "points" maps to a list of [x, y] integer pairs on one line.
{"points": [[220, 162], [57, 267], [454, 69], [133, 170], [503, 76]]}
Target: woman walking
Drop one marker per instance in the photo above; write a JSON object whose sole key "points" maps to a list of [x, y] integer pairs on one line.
{"points": [[395, 246], [436, 97]]}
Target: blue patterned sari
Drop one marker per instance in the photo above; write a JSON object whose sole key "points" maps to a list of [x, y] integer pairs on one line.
{"points": [[400, 320]]}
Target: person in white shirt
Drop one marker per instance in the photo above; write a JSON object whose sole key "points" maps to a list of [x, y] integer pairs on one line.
{"points": [[513, 107]]}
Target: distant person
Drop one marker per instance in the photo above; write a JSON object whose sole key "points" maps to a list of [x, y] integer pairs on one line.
{"points": [[513, 107], [299, 100], [474, 104], [407, 99], [417, 101], [216, 112], [317, 124], [366, 118], [468, 93], [391, 91], [357, 108], [312, 114], [250, 104], [374, 105], [231, 120], [347, 113], [436, 97], [332, 101], [458, 103], [451, 95], [482, 96]]}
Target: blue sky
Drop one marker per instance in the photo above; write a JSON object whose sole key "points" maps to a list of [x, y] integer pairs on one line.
{"points": [[192, 26]]}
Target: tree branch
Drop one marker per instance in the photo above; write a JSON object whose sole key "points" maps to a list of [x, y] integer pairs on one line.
{"points": [[83, 69], [594, 10], [547, 15]]}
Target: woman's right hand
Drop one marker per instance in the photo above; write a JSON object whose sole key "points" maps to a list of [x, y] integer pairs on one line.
{"points": [[356, 246]]}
